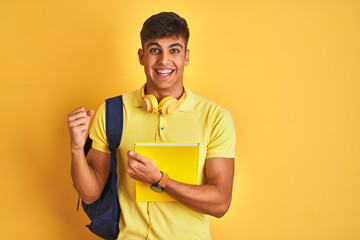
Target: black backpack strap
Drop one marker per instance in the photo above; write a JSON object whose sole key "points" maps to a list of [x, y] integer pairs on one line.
{"points": [[114, 128]]}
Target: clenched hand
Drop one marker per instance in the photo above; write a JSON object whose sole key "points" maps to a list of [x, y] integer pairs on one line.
{"points": [[78, 122]]}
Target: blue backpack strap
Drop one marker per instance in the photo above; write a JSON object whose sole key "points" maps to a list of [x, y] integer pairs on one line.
{"points": [[114, 128]]}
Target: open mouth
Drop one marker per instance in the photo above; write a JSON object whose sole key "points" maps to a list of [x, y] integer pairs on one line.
{"points": [[165, 72]]}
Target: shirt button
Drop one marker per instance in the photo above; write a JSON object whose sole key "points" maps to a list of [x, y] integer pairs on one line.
{"points": [[161, 128], [162, 115]]}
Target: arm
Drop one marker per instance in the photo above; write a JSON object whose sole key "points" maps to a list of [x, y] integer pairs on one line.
{"points": [[89, 174], [213, 198]]}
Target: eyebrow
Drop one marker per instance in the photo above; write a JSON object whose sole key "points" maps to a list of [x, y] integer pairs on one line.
{"points": [[158, 45], [176, 44], [153, 44]]}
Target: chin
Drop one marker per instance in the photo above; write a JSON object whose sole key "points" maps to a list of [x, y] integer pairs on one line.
{"points": [[164, 83]]}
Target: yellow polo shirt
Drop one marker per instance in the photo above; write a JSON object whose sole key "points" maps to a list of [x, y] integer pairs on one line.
{"points": [[197, 120]]}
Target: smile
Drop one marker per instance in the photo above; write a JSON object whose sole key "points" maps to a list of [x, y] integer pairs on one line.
{"points": [[164, 72]]}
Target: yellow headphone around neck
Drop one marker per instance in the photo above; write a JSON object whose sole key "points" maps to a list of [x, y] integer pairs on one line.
{"points": [[168, 105]]}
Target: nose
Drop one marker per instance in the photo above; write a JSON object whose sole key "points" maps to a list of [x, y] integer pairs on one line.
{"points": [[164, 59]]}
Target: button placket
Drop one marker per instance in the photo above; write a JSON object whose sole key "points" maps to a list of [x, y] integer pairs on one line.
{"points": [[161, 123]]}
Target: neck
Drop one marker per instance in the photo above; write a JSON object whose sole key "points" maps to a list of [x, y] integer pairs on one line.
{"points": [[175, 92]]}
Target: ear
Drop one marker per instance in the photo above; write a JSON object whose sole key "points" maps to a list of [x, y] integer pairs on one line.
{"points": [[141, 55], [187, 57]]}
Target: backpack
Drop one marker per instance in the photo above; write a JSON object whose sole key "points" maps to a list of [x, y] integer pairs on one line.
{"points": [[104, 213]]}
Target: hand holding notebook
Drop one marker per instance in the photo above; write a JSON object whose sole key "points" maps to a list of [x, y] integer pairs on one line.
{"points": [[178, 160]]}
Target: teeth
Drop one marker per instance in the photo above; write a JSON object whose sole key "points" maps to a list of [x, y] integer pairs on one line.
{"points": [[164, 71]]}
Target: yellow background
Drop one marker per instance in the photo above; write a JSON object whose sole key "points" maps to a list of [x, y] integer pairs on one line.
{"points": [[288, 71]]}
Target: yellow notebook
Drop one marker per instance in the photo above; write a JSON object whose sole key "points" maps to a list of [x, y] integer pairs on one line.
{"points": [[178, 160]]}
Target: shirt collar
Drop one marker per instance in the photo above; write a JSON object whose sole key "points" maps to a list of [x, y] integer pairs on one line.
{"points": [[186, 106]]}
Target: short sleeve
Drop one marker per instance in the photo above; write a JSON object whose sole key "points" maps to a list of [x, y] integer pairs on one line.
{"points": [[222, 135], [98, 131]]}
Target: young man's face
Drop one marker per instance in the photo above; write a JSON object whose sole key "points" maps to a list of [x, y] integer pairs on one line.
{"points": [[164, 60]]}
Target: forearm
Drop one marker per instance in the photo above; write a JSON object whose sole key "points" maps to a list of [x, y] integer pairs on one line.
{"points": [[213, 198], [208, 199], [84, 177]]}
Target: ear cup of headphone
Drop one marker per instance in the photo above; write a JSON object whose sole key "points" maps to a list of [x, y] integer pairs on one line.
{"points": [[150, 103], [168, 105]]}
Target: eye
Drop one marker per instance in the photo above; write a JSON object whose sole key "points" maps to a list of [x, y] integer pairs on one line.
{"points": [[174, 50], [154, 50]]}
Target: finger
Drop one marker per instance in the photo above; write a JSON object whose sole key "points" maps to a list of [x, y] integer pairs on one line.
{"points": [[83, 128], [133, 157], [133, 164], [141, 158], [76, 116], [79, 129], [90, 113], [80, 109], [78, 122]]}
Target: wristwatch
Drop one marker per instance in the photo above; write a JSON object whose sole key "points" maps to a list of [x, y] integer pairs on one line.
{"points": [[160, 186]]}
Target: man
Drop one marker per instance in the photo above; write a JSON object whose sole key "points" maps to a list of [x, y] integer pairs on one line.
{"points": [[164, 55]]}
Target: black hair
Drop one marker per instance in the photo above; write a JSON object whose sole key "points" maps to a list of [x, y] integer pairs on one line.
{"points": [[164, 24]]}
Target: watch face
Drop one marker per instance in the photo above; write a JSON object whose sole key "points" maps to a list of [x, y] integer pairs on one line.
{"points": [[156, 188]]}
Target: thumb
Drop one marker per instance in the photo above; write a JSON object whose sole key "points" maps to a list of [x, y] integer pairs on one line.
{"points": [[90, 113], [131, 154], [134, 155]]}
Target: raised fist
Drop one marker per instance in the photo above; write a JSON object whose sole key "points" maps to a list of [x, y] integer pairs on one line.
{"points": [[78, 122]]}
